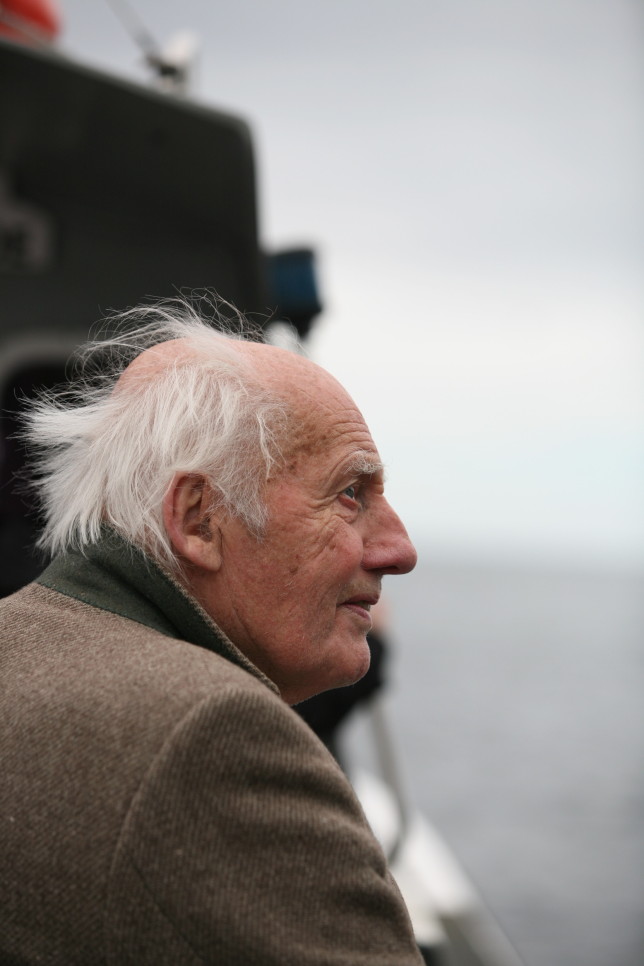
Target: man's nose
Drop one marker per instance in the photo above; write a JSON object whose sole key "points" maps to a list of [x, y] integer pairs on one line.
{"points": [[387, 546]]}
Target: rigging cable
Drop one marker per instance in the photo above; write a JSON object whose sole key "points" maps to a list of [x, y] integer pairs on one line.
{"points": [[137, 30]]}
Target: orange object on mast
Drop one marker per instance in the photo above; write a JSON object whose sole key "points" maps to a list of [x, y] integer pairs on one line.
{"points": [[30, 21]]}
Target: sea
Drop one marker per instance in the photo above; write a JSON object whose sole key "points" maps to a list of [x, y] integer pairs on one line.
{"points": [[515, 701]]}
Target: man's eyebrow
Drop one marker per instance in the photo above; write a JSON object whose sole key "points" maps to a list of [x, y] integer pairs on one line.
{"points": [[363, 464]]}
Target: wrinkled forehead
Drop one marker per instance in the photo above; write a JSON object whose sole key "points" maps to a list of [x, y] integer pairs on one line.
{"points": [[325, 422], [324, 414]]}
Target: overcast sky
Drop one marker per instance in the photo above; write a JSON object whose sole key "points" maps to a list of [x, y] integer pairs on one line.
{"points": [[472, 176]]}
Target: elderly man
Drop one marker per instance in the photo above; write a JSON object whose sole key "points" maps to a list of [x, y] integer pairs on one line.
{"points": [[216, 512]]}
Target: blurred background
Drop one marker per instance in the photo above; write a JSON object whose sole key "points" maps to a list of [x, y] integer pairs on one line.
{"points": [[472, 178]]}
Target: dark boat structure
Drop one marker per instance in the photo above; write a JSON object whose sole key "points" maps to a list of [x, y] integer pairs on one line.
{"points": [[111, 193]]}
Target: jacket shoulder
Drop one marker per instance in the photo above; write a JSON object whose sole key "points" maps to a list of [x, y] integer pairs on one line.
{"points": [[254, 848]]}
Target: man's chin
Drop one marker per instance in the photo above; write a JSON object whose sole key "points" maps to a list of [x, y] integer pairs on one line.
{"points": [[345, 664], [361, 659]]}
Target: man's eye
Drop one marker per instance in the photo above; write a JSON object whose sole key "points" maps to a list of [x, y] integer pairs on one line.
{"points": [[351, 492]]}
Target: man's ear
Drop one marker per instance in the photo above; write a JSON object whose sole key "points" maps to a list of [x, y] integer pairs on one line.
{"points": [[190, 523]]}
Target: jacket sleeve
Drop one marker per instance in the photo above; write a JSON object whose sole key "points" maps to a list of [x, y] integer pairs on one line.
{"points": [[245, 845]]}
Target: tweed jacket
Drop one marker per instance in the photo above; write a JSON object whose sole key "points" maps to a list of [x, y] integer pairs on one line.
{"points": [[159, 803]]}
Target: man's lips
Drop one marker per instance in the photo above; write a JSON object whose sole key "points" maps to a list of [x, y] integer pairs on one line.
{"points": [[360, 605]]}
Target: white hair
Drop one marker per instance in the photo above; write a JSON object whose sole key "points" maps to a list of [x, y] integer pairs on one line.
{"points": [[106, 454]]}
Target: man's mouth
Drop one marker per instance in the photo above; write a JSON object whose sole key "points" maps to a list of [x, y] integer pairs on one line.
{"points": [[360, 606]]}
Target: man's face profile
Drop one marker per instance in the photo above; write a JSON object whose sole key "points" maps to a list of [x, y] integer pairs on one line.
{"points": [[297, 601]]}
